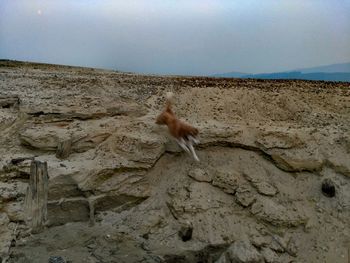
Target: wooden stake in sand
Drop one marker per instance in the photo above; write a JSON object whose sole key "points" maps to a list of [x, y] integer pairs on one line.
{"points": [[36, 197]]}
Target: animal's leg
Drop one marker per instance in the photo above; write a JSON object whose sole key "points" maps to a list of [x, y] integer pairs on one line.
{"points": [[182, 144], [193, 139], [190, 146]]}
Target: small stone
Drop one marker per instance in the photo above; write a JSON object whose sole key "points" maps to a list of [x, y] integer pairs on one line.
{"points": [[199, 175], [309, 225], [265, 188], [91, 245], [4, 220], [275, 213], [278, 244], [243, 251], [260, 241], [244, 196], [227, 181], [269, 255], [292, 248], [56, 259], [15, 211]]}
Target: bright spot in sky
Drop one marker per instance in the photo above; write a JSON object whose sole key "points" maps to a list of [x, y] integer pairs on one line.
{"points": [[39, 12]]}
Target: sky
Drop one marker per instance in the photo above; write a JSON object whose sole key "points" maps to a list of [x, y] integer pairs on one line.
{"points": [[184, 37]]}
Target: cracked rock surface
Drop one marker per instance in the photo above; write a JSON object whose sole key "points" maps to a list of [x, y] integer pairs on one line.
{"points": [[121, 190]]}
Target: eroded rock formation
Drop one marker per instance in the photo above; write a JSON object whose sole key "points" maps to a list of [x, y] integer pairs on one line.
{"points": [[121, 190]]}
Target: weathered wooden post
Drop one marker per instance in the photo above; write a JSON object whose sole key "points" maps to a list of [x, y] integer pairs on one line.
{"points": [[36, 197]]}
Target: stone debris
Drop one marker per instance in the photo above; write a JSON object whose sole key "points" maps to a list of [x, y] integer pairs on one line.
{"points": [[241, 251], [56, 259], [265, 188], [199, 175], [227, 181], [277, 214], [245, 195], [269, 255]]}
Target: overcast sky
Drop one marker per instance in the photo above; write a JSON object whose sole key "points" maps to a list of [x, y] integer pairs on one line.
{"points": [[177, 37]]}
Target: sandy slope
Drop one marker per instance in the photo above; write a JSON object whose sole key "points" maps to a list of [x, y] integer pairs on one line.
{"points": [[124, 191]]}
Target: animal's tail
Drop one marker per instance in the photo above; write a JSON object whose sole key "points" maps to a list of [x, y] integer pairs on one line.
{"points": [[169, 100]]}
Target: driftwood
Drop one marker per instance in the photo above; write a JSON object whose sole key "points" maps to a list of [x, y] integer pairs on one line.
{"points": [[36, 197]]}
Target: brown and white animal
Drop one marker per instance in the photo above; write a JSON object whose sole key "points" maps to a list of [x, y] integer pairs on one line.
{"points": [[184, 133]]}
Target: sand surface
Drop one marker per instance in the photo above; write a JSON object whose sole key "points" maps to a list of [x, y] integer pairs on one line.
{"points": [[123, 191]]}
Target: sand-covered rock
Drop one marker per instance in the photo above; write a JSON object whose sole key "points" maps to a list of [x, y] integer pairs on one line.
{"points": [[277, 214], [241, 251], [200, 175], [227, 181], [6, 232], [245, 195], [120, 189]]}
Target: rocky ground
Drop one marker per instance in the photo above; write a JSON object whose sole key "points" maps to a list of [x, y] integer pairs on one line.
{"points": [[121, 190]]}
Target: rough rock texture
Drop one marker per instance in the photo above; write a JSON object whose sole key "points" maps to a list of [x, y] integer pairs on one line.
{"points": [[241, 251], [121, 190]]}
